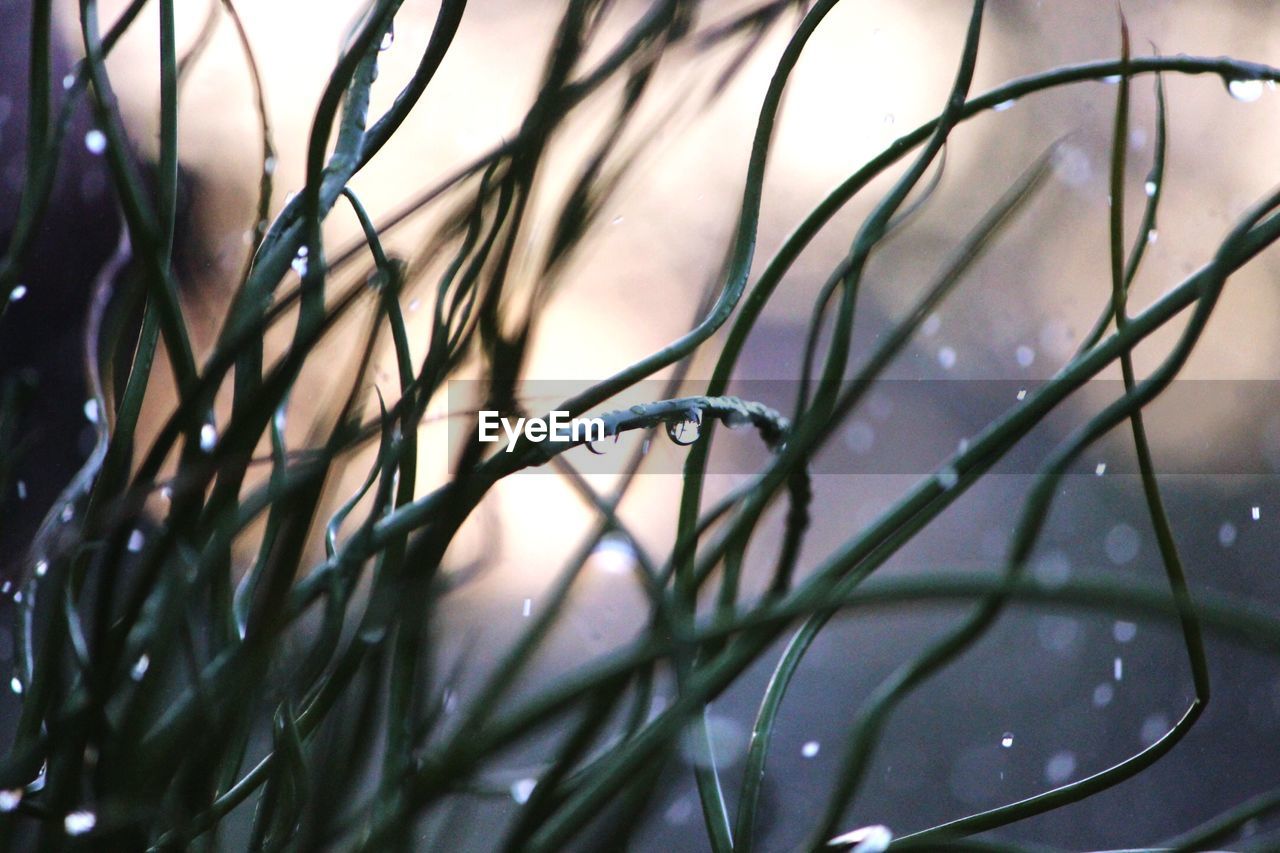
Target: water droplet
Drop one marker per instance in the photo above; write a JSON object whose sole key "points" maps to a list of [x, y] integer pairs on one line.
{"points": [[1004, 105], [859, 436], [9, 799], [1100, 469], [414, 305], [1152, 236], [1117, 669], [140, 667], [78, 823], [22, 490], [42, 568], [68, 513], [683, 432], [1111, 79], [269, 165], [1122, 544], [868, 839], [614, 554], [947, 358], [136, 540], [15, 684], [948, 477], [1103, 694], [931, 325], [1150, 188], [91, 411], [1256, 513], [388, 39], [810, 749], [95, 141], [1022, 393], [1124, 632], [18, 293], [208, 437], [1245, 91], [1007, 740], [299, 262], [617, 220], [528, 606], [1025, 355], [68, 81], [1060, 767], [372, 635], [1227, 534]]}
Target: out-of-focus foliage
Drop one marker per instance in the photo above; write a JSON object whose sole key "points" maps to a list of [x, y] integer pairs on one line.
{"points": [[169, 691]]}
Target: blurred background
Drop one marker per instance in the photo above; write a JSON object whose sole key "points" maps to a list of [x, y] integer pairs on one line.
{"points": [[1046, 697]]}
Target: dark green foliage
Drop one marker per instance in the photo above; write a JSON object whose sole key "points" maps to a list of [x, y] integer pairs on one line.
{"points": [[170, 690]]}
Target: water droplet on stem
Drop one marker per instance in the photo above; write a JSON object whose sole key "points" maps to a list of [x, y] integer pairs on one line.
{"points": [[95, 141], [1245, 91]]}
